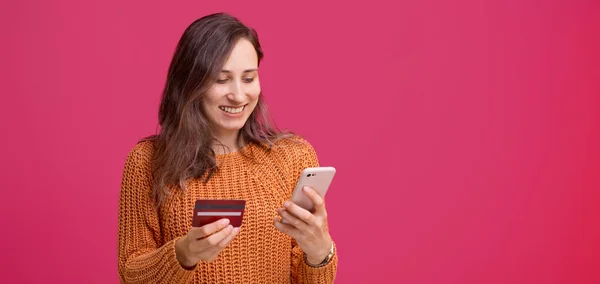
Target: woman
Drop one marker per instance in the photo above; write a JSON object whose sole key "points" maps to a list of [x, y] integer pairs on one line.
{"points": [[216, 142]]}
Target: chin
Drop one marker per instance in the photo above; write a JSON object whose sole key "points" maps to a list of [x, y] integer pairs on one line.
{"points": [[223, 123], [232, 126]]}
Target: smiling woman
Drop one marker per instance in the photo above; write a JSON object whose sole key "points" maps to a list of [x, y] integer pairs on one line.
{"points": [[229, 103], [216, 142]]}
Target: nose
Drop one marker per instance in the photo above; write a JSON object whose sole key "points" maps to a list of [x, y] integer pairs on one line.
{"points": [[236, 93]]}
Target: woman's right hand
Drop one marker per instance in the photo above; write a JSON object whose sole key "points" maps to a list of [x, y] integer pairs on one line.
{"points": [[204, 243]]}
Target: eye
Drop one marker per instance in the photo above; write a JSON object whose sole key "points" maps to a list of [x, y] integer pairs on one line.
{"points": [[249, 79], [222, 81]]}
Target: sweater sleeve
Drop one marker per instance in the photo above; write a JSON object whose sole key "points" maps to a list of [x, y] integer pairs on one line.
{"points": [[301, 272], [142, 257]]}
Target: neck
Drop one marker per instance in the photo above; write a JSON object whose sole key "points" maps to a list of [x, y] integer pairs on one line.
{"points": [[225, 142]]}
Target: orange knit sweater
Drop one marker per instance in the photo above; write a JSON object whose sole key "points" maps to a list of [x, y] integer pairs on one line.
{"points": [[258, 254]]}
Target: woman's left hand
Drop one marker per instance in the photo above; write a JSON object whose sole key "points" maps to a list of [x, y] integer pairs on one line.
{"points": [[308, 229]]}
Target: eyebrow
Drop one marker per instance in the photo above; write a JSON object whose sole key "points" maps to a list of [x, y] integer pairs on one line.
{"points": [[245, 71]]}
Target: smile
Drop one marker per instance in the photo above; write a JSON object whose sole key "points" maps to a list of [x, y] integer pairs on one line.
{"points": [[232, 110]]}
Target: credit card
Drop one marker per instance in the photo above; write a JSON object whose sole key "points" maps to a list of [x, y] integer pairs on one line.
{"points": [[207, 211]]}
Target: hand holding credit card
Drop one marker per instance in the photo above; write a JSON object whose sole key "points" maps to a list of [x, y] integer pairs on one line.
{"points": [[207, 211], [214, 225]]}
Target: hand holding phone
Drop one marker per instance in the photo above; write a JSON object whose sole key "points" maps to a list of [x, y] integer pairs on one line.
{"points": [[319, 179], [305, 222]]}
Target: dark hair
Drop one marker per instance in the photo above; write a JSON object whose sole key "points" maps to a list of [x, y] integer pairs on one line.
{"points": [[183, 146]]}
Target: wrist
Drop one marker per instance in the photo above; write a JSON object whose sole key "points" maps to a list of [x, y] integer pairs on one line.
{"points": [[315, 260], [180, 254], [320, 259]]}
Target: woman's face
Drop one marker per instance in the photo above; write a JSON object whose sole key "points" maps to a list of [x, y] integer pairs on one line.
{"points": [[232, 98]]}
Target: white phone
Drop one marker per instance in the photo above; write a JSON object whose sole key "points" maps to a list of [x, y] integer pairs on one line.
{"points": [[319, 179]]}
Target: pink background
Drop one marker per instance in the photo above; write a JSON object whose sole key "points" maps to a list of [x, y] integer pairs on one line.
{"points": [[466, 133]]}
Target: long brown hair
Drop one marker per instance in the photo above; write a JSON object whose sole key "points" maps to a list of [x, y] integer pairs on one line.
{"points": [[183, 146]]}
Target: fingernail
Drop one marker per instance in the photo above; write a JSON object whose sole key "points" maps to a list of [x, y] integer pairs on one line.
{"points": [[229, 228], [306, 189], [225, 221], [286, 204], [236, 229]]}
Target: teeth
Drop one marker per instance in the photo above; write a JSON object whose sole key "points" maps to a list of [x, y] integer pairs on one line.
{"points": [[232, 110]]}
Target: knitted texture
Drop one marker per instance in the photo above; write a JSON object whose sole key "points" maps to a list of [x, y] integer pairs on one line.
{"points": [[258, 254]]}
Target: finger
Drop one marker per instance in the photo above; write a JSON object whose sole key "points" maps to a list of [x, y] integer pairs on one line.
{"points": [[317, 200], [293, 220], [208, 229], [299, 212], [216, 238], [223, 243], [286, 229]]}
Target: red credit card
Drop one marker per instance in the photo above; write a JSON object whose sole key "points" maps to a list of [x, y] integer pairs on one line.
{"points": [[207, 211]]}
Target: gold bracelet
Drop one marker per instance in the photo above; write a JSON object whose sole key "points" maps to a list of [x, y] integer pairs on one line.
{"points": [[325, 261]]}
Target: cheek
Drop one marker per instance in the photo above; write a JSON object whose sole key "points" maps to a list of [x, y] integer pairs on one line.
{"points": [[215, 94], [254, 91]]}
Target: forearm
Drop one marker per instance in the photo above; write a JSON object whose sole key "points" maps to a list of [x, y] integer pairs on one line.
{"points": [[154, 266]]}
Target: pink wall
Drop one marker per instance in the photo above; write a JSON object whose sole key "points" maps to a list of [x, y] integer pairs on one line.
{"points": [[465, 132]]}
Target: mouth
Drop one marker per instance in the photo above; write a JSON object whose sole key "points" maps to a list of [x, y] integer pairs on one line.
{"points": [[232, 110]]}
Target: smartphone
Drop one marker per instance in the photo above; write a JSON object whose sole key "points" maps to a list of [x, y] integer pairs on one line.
{"points": [[319, 179]]}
